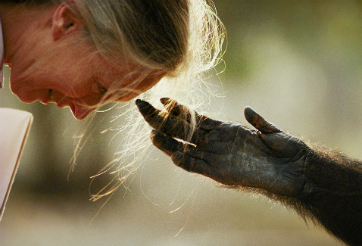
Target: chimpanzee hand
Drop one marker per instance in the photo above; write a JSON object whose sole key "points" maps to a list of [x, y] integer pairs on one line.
{"points": [[228, 152]]}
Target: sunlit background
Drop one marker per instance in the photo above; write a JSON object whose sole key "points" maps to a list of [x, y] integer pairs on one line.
{"points": [[298, 63]]}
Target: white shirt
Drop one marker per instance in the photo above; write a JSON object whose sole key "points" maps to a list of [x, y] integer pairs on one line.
{"points": [[2, 51]]}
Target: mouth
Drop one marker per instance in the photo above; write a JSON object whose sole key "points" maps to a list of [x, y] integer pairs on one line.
{"points": [[51, 97]]}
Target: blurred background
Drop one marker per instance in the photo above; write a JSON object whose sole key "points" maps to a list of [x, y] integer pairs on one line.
{"points": [[298, 63]]}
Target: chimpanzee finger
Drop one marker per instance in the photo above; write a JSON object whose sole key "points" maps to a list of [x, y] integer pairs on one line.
{"points": [[176, 109], [161, 121], [259, 122], [166, 144], [153, 116], [189, 163], [217, 173], [169, 145], [179, 110], [284, 144]]}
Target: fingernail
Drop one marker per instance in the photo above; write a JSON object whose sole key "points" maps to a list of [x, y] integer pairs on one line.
{"points": [[141, 103], [138, 101], [165, 100], [154, 133], [177, 158], [249, 111]]}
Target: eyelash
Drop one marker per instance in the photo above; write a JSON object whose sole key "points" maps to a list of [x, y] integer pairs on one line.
{"points": [[98, 88], [102, 89]]}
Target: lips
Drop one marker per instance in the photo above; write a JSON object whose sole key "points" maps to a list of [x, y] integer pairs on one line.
{"points": [[46, 97]]}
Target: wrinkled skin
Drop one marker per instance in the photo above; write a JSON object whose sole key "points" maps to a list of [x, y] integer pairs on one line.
{"points": [[318, 183], [228, 152]]}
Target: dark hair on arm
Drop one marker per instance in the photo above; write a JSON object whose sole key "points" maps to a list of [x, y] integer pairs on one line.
{"points": [[30, 2]]}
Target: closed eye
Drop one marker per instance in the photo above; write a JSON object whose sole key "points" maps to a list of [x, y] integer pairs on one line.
{"points": [[102, 89], [98, 88]]}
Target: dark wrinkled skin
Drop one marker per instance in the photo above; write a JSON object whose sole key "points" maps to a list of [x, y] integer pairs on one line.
{"points": [[228, 152], [318, 183]]}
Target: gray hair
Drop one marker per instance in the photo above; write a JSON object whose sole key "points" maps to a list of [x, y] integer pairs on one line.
{"points": [[152, 33]]}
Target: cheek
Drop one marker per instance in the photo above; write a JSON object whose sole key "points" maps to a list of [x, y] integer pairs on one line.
{"points": [[32, 75], [149, 83], [73, 79]]}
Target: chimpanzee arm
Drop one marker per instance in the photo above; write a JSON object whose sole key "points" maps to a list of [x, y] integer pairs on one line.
{"points": [[333, 194], [318, 184]]}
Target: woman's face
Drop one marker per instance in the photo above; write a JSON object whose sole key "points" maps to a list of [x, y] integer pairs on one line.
{"points": [[51, 62], [70, 74]]}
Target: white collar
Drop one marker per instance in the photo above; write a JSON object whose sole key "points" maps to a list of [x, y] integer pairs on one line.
{"points": [[2, 51]]}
